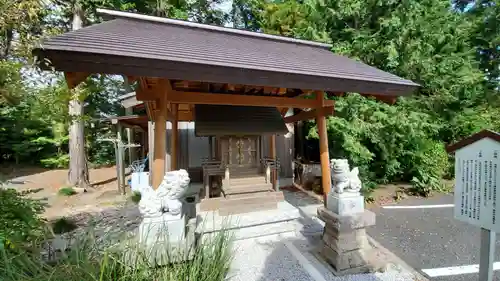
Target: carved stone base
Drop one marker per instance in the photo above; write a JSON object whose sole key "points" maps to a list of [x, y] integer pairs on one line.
{"points": [[345, 203], [344, 243]]}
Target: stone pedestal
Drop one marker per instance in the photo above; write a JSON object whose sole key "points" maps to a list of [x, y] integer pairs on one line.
{"points": [[344, 243], [168, 238], [346, 203], [165, 229]]}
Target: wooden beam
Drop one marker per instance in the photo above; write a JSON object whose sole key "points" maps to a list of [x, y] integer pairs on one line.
{"points": [[175, 138], [143, 91], [74, 79], [323, 147], [186, 116], [311, 114], [150, 109], [244, 100]]}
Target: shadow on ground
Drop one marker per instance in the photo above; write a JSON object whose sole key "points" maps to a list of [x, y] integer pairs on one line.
{"points": [[293, 257]]}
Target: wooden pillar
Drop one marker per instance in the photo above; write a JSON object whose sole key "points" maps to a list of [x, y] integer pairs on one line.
{"points": [[323, 147], [130, 141], [272, 148], [120, 163], [144, 143], [160, 141], [210, 148], [132, 156], [151, 149], [175, 138]]}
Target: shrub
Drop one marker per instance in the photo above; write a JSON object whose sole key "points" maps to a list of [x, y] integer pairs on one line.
{"points": [[430, 166], [136, 197], [20, 219], [63, 225], [67, 191], [86, 260]]}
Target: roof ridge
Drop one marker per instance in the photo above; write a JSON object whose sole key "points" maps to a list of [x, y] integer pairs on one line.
{"points": [[129, 15]]}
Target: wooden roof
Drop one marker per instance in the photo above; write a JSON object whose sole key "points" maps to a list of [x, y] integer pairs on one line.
{"points": [[472, 139], [145, 46]]}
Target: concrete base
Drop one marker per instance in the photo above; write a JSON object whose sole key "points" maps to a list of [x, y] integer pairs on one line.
{"points": [[345, 203], [344, 242]]}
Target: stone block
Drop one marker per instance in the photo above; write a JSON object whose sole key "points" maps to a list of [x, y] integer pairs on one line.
{"points": [[345, 241], [356, 261], [346, 223], [346, 203], [162, 229], [164, 250]]}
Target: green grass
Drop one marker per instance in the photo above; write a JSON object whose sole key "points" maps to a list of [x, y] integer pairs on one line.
{"points": [[67, 191], [136, 197], [63, 225], [87, 260]]}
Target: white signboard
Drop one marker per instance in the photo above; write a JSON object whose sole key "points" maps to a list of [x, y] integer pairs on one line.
{"points": [[477, 179]]}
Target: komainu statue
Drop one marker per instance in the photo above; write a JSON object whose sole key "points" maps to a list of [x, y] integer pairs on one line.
{"points": [[166, 199], [344, 180]]}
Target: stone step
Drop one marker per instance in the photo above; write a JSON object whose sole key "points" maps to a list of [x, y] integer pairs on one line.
{"points": [[242, 172], [247, 208], [244, 184], [237, 200], [245, 181], [267, 195], [247, 188]]}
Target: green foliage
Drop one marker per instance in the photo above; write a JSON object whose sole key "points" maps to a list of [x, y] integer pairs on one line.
{"points": [[382, 140], [63, 225], [136, 197], [452, 55], [67, 191], [89, 260], [430, 166], [20, 220], [57, 161]]}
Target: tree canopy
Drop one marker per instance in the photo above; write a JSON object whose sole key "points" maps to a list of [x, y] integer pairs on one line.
{"points": [[451, 48]]}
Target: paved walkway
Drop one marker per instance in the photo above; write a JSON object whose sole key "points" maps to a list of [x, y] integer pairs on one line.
{"points": [[424, 233], [289, 256]]}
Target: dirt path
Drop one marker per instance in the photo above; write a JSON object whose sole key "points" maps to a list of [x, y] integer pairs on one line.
{"points": [[101, 196]]}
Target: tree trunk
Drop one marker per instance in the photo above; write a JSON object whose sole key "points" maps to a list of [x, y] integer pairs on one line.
{"points": [[78, 170]]}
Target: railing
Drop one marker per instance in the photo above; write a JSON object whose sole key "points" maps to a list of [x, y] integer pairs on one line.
{"points": [[214, 167], [271, 167]]}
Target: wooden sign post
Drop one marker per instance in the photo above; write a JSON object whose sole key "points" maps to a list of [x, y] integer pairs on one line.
{"points": [[477, 176]]}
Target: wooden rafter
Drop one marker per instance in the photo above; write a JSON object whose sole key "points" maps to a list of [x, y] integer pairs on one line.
{"points": [[311, 114], [283, 111], [73, 79], [242, 100]]}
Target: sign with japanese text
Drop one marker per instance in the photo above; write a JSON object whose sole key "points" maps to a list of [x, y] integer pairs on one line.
{"points": [[477, 179]]}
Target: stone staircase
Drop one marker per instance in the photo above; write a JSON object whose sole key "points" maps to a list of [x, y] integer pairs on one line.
{"points": [[247, 192]]}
